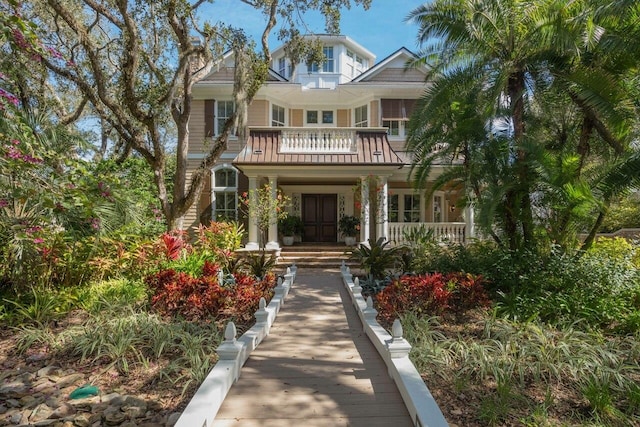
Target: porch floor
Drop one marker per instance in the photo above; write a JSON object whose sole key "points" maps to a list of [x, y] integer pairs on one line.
{"points": [[316, 368]]}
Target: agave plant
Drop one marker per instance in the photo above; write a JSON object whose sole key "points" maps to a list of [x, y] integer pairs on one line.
{"points": [[377, 258]]}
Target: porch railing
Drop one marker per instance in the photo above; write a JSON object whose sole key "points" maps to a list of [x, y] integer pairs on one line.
{"points": [[446, 232], [318, 140]]}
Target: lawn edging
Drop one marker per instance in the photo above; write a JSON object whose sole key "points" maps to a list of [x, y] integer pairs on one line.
{"points": [[232, 355], [394, 350]]}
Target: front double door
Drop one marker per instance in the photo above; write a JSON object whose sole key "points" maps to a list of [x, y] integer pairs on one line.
{"points": [[320, 217]]}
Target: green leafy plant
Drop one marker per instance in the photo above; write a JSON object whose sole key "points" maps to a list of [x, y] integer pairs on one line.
{"points": [[349, 225], [220, 236], [291, 225], [261, 263], [377, 258]]}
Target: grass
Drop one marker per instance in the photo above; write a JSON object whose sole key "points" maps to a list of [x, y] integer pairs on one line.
{"points": [[530, 373], [123, 337]]}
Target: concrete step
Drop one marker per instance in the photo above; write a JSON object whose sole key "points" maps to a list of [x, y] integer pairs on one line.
{"points": [[327, 256]]}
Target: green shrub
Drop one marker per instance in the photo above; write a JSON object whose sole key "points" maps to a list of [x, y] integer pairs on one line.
{"points": [[377, 259], [220, 236], [106, 294], [495, 360]]}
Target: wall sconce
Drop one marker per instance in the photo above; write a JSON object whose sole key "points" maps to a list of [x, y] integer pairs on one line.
{"points": [[452, 208]]}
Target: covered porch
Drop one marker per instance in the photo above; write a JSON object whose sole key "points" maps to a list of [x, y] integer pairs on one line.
{"points": [[332, 173]]}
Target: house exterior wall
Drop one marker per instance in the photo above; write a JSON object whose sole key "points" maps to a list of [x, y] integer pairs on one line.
{"points": [[297, 95]]}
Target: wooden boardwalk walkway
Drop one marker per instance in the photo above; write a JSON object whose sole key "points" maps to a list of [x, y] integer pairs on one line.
{"points": [[316, 368]]}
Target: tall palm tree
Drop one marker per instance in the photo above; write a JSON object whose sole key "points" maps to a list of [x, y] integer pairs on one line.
{"points": [[504, 60]]}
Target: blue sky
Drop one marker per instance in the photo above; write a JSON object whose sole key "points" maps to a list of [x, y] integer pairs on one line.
{"points": [[381, 29]]}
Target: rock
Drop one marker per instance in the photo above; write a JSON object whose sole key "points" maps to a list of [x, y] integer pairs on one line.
{"points": [[133, 412], [81, 420], [173, 419], [37, 357], [39, 413], [12, 403], [28, 402], [84, 404], [456, 412], [135, 402], [114, 418], [69, 380], [16, 418], [53, 402], [113, 398], [14, 390], [49, 370], [129, 424], [65, 410]]}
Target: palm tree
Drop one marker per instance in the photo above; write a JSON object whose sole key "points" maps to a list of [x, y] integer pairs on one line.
{"points": [[496, 65]]}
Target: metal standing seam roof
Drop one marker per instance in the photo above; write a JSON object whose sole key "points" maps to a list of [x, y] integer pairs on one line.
{"points": [[373, 148]]}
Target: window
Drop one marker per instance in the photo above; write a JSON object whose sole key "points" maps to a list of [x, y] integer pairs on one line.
{"points": [[327, 65], [282, 66], [437, 207], [404, 207], [225, 194], [362, 119], [396, 114], [394, 127], [312, 117], [277, 116], [224, 110], [411, 208], [393, 208], [315, 117]]}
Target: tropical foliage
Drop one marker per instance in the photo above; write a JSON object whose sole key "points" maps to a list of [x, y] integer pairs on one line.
{"points": [[537, 98]]}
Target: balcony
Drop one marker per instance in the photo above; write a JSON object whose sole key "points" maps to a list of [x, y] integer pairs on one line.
{"points": [[318, 140]]}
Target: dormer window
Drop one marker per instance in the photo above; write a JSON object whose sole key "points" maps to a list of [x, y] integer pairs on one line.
{"points": [[328, 66], [282, 66]]}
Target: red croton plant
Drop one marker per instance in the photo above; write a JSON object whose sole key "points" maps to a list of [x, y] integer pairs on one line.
{"points": [[431, 294], [198, 298]]}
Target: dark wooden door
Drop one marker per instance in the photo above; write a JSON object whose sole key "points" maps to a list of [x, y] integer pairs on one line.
{"points": [[319, 215]]}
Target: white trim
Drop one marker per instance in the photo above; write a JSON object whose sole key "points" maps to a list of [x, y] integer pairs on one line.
{"points": [[205, 404], [394, 351], [214, 188], [200, 156]]}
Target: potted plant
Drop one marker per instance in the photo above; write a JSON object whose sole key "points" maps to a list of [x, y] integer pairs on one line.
{"points": [[349, 226], [290, 226]]}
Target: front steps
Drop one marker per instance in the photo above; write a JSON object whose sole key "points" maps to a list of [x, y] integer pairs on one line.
{"points": [[317, 255]]}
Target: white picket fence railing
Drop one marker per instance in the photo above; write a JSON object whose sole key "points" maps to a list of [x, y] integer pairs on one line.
{"points": [[446, 232]]}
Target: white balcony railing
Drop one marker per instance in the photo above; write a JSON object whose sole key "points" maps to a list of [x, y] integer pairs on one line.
{"points": [[318, 140], [446, 232]]}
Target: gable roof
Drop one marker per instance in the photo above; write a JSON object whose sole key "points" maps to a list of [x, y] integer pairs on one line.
{"points": [[223, 70], [380, 66]]}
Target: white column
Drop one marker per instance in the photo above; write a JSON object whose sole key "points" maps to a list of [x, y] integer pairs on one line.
{"points": [[253, 226], [382, 227], [273, 217], [469, 221], [365, 217]]}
